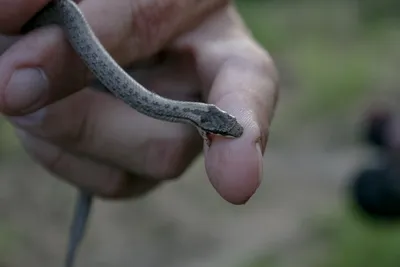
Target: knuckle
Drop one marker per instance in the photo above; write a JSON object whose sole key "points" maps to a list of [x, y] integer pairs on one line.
{"points": [[251, 55], [263, 61], [265, 68], [149, 33], [269, 67]]}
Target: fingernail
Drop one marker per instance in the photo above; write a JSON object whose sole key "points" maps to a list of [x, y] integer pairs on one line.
{"points": [[25, 89]]}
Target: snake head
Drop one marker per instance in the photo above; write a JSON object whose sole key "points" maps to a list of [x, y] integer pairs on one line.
{"points": [[219, 122]]}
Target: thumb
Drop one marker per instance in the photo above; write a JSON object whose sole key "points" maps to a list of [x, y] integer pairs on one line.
{"points": [[244, 82]]}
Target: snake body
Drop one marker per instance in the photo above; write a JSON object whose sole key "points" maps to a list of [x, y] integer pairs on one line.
{"points": [[207, 118]]}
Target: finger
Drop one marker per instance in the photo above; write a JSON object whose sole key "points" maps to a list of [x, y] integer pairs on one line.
{"points": [[15, 13], [98, 126], [95, 177], [42, 68], [37, 70], [244, 83], [102, 127]]}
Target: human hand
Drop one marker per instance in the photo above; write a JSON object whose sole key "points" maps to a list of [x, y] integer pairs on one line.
{"points": [[93, 140]]}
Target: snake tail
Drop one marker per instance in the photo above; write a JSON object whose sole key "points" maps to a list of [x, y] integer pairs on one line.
{"points": [[78, 226]]}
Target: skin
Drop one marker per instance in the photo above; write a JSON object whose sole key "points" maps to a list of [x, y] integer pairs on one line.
{"points": [[203, 52]]}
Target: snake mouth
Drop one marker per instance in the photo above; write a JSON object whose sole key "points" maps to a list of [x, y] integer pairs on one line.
{"points": [[235, 131]]}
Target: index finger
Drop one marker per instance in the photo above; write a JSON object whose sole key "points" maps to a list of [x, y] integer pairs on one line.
{"points": [[244, 82]]}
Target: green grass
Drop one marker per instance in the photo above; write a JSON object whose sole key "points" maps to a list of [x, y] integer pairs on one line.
{"points": [[331, 80], [354, 242]]}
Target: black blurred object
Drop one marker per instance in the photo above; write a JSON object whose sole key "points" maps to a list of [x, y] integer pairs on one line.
{"points": [[376, 190], [376, 194]]}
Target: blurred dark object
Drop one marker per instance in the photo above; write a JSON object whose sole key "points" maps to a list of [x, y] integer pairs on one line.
{"points": [[376, 190], [376, 194]]}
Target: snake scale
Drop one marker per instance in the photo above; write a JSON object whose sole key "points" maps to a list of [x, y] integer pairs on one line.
{"points": [[207, 118]]}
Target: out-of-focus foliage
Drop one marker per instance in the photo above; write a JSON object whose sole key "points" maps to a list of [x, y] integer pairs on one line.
{"points": [[338, 52], [376, 10], [370, 10], [328, 56]]}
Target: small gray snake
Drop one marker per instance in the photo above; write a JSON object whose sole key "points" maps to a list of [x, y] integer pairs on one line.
{"points": [[207, 118]]}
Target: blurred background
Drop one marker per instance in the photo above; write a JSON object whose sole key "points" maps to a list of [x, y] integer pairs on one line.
{"points": [[337, 61]]}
